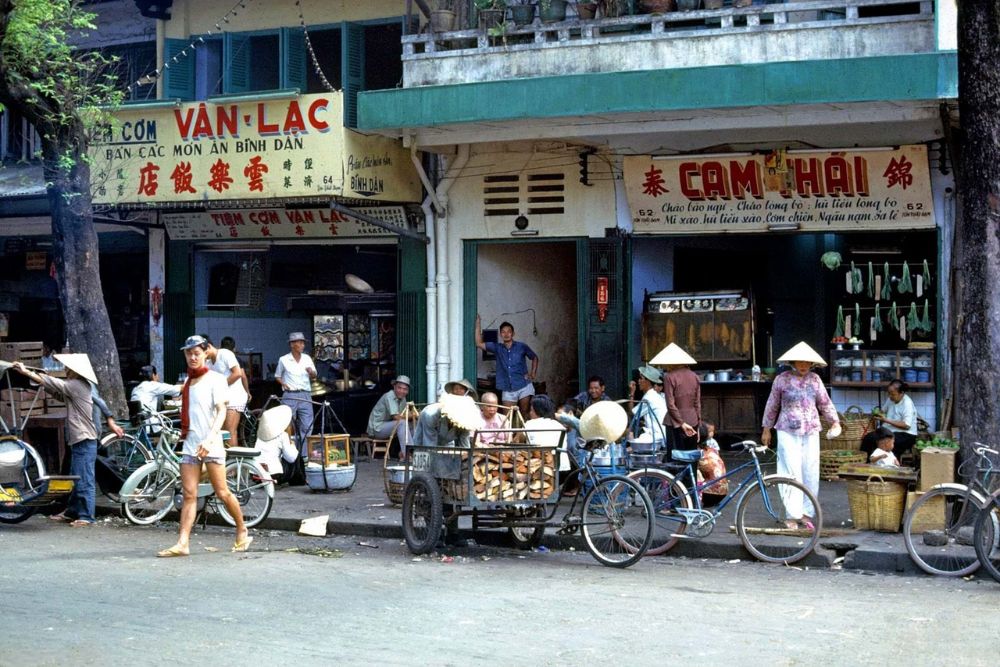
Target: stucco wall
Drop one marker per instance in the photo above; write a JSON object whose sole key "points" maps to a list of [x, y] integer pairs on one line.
{"points": [[520, 276], [189, 17]]}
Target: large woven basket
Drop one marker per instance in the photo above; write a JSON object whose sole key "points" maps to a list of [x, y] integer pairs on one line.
{"points": [[394, 480], [876, 505], [830, 461], [854, 425]]}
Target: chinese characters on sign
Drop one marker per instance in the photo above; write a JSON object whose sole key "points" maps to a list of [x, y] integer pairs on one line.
{"points": [[810, 191], [263, 223], [283, 148]]}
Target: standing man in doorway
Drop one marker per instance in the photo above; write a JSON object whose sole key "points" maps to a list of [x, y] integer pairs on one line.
{"points": [[514, 379], [294, 373]]}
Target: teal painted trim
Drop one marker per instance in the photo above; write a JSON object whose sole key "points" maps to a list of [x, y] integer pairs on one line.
{"points": [[924, 76]]}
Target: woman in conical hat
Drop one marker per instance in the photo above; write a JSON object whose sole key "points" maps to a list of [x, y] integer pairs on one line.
{"points": [[682, 391], [793, 408]]}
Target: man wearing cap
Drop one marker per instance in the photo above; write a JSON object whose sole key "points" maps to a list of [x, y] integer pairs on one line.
{"points": [[76, 390], [294, 373], [652, 408], [514, 379], [389, 411]]}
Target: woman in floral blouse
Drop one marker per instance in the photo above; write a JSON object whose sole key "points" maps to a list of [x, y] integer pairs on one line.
{"points": [[793, 408]]}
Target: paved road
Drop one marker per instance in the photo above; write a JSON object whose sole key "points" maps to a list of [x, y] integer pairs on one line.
{"points": [[97, 596]]}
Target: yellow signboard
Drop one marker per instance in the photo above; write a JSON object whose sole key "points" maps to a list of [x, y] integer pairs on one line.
{"points": [[808, 191], [207, 152]]}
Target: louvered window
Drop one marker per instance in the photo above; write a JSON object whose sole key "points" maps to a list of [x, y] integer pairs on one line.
{"points": [[528, 194]]}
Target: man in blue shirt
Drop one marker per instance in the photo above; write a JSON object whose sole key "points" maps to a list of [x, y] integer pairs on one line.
{"points": [[514, 379], [594, 393]]}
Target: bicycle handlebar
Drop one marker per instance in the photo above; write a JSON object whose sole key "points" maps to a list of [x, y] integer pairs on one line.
{"points": [[982, 449], [750, 445]]}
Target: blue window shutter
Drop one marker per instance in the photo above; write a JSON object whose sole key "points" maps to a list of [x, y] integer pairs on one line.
{"points": [[353, 44], [236, 63], [178, 79], [293, 59]]}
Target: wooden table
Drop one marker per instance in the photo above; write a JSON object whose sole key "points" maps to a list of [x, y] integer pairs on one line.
{"points": [[54, 420]]}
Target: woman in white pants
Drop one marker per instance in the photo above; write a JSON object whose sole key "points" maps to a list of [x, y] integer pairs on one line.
{"points": [[793, 408]]}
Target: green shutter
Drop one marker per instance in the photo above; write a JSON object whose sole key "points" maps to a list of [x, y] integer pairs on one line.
{"points": [[178, 307], [353, 47], [236, 63], [293, 59], [470, 306], [605, 349], [178, 79], [411, 316]]}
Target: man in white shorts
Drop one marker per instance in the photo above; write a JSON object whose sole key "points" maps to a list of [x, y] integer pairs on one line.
{"points": [[223, 361]]}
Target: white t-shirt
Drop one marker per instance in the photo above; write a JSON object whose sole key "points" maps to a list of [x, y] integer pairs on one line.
{"points": [[203, 396], [225, 362], [887, 461], [549, 437], [148, 393], [293, 373], [904, 411], [272, 451], [655, 410]]}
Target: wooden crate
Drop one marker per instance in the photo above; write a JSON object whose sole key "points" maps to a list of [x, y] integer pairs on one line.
{"points": [[28, 353], [23, 399], [329, 449]]}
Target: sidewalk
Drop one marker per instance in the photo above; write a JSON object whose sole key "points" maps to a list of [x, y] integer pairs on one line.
{"points": [[365, 510]]}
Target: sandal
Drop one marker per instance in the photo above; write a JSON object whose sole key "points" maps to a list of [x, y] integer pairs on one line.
{"points": [[60, 517], [807, 523], [242, 545], [791, 524], [80, 523], [173, 552]]}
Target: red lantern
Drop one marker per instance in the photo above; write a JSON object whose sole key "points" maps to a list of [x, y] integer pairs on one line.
{"points": [[603, 298], [156, 304]]}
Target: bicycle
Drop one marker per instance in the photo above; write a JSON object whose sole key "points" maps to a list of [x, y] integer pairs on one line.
{"points": [[119, 456], [949, 511], [986, 534], [155, 488], [615, 516], [760, 516]]}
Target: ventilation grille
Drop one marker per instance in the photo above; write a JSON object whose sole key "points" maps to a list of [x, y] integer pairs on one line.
{"points": [[542, 194]]}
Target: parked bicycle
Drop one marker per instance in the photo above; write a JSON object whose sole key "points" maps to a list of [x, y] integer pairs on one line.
{"points": [[986, 534], [760, 518], [155, 488], [938, 529], [119, 456]]}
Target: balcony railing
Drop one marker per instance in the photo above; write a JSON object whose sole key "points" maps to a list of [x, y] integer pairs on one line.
{"points": [[674, 39]]}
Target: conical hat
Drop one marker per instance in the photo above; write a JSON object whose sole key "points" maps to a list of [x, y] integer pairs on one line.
{"points": [[672, 355], [461, 411], [603, 420], [78, 363], [802, 352], [273, 422]]}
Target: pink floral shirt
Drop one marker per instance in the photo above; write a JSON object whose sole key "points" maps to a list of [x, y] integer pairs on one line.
{"points": [[796, 402], [498, 422]]}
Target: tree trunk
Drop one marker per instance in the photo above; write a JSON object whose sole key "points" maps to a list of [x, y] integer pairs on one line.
{"points": [[76, 253], [977, 359]]}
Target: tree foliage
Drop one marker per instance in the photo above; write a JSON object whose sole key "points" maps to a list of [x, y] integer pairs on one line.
{"points": [[66, 94]]}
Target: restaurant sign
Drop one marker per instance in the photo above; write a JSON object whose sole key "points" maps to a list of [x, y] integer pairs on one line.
{"points": [[203, 151], [279, 223], [809, 191]]}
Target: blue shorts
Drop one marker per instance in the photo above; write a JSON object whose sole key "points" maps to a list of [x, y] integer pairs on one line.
{"points": [[187, 459]]}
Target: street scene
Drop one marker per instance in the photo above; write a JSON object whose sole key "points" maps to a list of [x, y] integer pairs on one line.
{"points": [[660, 329]]}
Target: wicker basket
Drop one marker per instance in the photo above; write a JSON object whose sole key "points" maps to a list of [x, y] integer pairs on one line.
{"points": [[394, 480], [854, 424], [831, 461], [876, 505]]}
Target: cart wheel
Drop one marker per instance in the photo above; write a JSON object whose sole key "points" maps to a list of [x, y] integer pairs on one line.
{"points": [[15, 513], [422, 513], [527, 537]]}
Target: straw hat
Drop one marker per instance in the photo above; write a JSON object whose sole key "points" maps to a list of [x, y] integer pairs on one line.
{"points": [[802, 352], [603, 420], [461, 411], [462, 383], [652, 374], [273, 422], [78, 363], [672, 355]]}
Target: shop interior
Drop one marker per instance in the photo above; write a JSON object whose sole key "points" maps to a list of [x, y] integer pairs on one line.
{"points": [[343, 297], [793, 296], [532, 286]]}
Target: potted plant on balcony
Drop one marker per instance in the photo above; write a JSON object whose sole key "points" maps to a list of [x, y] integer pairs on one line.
{"points": [[551, 11], [522, 12], [491, 13], [659, 6], [443, 17], [586, 10]]}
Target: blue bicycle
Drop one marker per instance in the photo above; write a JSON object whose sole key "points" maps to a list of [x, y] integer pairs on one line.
{"points": [[778, 520]]}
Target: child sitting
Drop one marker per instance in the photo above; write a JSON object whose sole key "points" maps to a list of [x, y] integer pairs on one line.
{"points": [[709, 440], [883, 456]]}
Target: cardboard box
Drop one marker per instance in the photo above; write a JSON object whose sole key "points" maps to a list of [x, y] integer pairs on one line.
{"points": [[929, 517], [329, 449], [937, 466]]}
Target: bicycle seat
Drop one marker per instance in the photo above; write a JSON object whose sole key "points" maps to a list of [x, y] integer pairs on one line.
{"points": [[249, 452], [686, 455]]}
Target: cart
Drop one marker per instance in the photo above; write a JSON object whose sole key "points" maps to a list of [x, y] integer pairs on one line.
{"points": [[515, 487]]}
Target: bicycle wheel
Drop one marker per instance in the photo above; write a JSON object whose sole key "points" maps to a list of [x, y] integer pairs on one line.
{"points": [[528, 537], [938, 531], [987, 538], [117, 458], [249, 484], [616, 519], [422, 513], [667, 494], [153, 497], [760, 518], [248, 428], [15, 513]]}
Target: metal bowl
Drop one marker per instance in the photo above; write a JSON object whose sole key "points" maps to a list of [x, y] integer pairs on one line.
{"points": [[612, 455], [646, 459], [640, 447]]}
